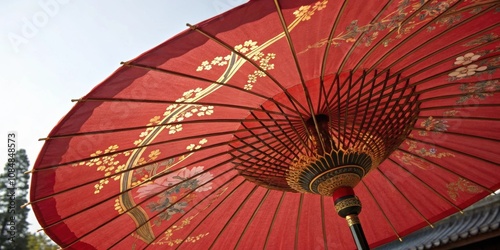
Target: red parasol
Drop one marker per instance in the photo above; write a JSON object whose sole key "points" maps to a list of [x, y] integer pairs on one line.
{"points": [[237, 132]]}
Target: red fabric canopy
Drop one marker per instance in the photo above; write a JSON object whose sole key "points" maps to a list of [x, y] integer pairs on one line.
{"points": [[168, 151]]}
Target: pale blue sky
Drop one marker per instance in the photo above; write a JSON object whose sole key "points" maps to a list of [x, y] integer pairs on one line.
{"points": [[52, 51]]}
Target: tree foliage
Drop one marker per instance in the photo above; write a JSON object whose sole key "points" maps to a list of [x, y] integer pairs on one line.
{"points": [[14, 187], [40, 241]]}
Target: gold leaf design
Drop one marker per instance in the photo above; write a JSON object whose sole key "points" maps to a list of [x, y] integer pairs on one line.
{"points": [[461, 186], [251, 50], [481, 40], [427, 152], [186, 107], [305, 12], [192, 146], [106, 162], [369, 32], [478, 91], [167, 236], [118, 207], [411, 160], [433, 125], [451, 113], [144, 175]]}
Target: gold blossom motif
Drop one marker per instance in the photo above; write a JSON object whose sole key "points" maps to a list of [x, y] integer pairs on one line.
{"points": [[185, 108], [143, 176], [411, 160], [451, 113], [367, 33], [481, 40], [172, 118], [106, 162], [149, 171], [478, 91], [433, 125], [251, 50], [427, 152], [305, 12], [461, 186], [166, 239], [118, 207]]}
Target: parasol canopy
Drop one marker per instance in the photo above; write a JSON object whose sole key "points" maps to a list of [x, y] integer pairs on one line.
{"points": [[237, 132]]}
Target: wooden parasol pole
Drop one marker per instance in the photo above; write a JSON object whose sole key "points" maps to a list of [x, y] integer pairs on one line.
{"points": [[348, 206]]}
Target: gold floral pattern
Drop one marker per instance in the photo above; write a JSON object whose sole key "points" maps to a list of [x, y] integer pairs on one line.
{"points": [[461, 186], [186, 108], [251, 50], [175, 114], [478, 91], [451, 113], [367, 33], [106, 162], [121, 165], [481, 40], [427, 152], [254, 52], [305, 13], [166, 239], [433, 125], [411, 160], [144, 174]]}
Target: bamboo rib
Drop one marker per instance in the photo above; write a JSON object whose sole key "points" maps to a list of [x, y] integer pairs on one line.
{"points": [[271, 227], [428, 186], [382, 211]]}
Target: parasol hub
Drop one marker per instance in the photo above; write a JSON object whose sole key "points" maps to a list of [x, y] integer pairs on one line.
{"points": [[336, 142], [331, 164]]}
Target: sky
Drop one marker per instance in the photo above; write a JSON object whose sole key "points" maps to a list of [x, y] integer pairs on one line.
{"points": [[52, 51]]}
